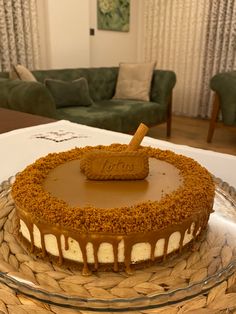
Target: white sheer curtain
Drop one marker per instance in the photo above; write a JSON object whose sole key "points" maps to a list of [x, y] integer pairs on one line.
{"points": [[19, 39], [178, 35], [220, 48]]}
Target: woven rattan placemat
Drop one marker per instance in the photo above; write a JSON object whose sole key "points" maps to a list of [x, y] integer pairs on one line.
{"points": [[189, 268]]}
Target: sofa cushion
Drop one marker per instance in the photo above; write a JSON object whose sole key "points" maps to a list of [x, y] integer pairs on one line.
{"points": [[21, 72], [134, 81], [68, 94], [133, 112], [117, 115], [95, 116]]}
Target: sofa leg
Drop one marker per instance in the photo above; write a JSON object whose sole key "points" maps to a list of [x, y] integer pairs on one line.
{"points": [[214, 115], [169, 117]]}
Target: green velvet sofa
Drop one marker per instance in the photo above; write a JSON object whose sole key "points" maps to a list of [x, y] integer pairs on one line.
{"points": [[107, 113]]}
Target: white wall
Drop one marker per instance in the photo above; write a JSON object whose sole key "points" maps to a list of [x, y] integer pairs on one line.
{"points": [[65, 41], [43, 31], [64, 29]]}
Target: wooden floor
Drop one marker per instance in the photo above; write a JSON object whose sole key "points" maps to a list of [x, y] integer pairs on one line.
{"points": [[193, 132]]}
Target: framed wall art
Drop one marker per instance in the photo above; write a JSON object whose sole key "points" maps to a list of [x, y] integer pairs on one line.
{"points": [[113, 15]]}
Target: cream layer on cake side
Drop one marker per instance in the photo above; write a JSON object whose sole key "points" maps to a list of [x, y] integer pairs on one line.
{"points": [[140, 251], [126, 249]]}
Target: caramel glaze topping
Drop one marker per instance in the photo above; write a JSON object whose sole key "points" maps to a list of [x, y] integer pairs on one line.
{"points": [[147, 222], [68, 183]]}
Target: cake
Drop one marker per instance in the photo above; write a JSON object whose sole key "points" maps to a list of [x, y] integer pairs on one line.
{"points": [[111, 224]]}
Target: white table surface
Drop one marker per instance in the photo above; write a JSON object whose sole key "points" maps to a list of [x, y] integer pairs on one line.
{"points": [[21, 147]]}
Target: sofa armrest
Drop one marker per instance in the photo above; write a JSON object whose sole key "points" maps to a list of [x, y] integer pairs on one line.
{"points": [[224, 84], [163, 82], [30, 97]]}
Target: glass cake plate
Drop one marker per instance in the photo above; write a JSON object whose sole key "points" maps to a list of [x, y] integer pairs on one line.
{"points": [[211, 261]]}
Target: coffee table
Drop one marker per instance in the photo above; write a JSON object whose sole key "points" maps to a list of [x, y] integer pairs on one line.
{"points": [[12, 120]]}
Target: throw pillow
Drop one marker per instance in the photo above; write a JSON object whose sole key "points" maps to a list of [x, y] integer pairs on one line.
{"points": [[134, 81], [21, 72], [67, 93]]}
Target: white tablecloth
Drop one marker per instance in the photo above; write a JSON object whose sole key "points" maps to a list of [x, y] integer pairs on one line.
{"points": [[20, 147]]}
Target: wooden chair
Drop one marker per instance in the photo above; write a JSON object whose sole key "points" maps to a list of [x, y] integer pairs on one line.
{"points": [[224, 85], [214, 116]]}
